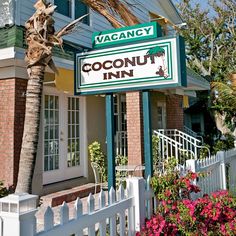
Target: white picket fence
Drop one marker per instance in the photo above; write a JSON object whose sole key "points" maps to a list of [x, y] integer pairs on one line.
{"points": [[124, 214], [216, 173]]}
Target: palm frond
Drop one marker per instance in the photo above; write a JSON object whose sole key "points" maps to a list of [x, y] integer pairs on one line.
{"points": [[69, 28], [124, 12], [155, 50], [102, 7]]}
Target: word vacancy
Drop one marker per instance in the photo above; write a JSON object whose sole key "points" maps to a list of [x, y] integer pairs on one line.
{"points": [[124, 35]]}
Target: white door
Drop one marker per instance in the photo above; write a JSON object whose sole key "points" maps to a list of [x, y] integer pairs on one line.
{"points": [[63, 142]]}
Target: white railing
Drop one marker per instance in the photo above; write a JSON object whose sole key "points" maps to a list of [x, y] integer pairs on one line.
{"points": [[217, 172], [129, 206], [167, 147], [121, 143], [189, 143], [192, 133]]}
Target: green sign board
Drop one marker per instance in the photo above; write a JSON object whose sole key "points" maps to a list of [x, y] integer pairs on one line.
{"points": [[158, 63], [125, 35]]}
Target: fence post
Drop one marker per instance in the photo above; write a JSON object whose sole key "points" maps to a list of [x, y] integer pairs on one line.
{"points": [[136, 189], [17, 212], [191, 165], [223, 174]]}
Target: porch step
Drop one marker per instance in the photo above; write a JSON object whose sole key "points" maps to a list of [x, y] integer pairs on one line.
{"points": [[69, 195]]}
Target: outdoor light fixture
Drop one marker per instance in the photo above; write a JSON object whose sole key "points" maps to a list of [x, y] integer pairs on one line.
{"points": [[18, 203]]}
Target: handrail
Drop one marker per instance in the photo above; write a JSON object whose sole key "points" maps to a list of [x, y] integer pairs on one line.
{"points": [[189, 143], [167, 138], [178, 132], [192, 133]]}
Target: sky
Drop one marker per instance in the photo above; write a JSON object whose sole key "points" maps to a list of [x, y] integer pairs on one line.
{"points": [[203, 4]]}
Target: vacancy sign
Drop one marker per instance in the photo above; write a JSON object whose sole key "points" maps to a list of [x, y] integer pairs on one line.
{"points": [[124, 35], [150, 65]]}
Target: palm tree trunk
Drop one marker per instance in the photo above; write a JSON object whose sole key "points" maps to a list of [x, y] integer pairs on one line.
{"points": [[31, 129]]}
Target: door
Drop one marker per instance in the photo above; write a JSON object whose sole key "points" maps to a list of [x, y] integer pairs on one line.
{"points": [[63, 155]]}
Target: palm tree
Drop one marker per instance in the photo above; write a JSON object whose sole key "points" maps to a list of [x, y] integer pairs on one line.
{"points": [[40, 38]]}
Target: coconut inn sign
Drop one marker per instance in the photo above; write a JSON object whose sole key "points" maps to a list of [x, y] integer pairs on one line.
{"points": [[139, 65], [142, 65]]}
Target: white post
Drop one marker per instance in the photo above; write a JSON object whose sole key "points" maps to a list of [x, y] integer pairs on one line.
{"points": [[221, 154], [191, 165], [17, 212], [136, 189]]}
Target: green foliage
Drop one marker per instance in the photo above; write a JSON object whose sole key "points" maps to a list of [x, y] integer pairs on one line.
{"points": [[121, 160], [98, 156], [210, 38], [204, 151], [224, 145], [167, 180], [121, 175], [155, 149], [3, 190]]}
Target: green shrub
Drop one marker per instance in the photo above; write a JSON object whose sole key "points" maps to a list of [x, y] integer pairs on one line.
{"points": [[224, 145], [98, 156], [3, 190], [155, 150]]}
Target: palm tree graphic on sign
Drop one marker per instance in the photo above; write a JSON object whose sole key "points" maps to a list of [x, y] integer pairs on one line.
{"points": [[159, 53]]}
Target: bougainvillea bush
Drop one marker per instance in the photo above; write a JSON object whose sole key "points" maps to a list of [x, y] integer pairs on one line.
{"points": [[177, 214]]}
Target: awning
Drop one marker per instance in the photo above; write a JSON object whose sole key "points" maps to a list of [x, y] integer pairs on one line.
{"points": [[64, 81]]}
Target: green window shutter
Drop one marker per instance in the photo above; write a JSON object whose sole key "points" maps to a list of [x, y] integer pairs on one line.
{"points": [[63, 7], [80, 10]]}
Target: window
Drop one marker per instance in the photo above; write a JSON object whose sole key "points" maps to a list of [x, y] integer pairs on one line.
{"points": [[73, 9], [64, 7], [80, 10]]}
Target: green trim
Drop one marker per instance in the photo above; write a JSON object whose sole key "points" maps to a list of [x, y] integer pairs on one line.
{"points": [[117, 90], [110, 130], [147, 126], [14, 36], [181, 60], [125, 41], [159, 30]]}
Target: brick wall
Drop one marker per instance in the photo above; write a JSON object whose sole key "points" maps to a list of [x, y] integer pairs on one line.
{"points": [[20, 85], [12, 106], [174, 112], [134, 127]]}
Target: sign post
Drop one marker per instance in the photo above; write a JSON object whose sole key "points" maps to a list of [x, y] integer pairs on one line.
{"points": [[110, 140], [135, 66], [147, 126]]}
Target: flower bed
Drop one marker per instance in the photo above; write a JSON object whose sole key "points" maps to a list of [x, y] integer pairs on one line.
{"points": [[177, 214]]}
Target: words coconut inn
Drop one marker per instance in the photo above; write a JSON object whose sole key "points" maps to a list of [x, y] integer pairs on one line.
{"points": [[96, 60]]}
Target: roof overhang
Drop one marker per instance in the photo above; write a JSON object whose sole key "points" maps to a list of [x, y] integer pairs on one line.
{"points": [[195, 82], [171, 11]]}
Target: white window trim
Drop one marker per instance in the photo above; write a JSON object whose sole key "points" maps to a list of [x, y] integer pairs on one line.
{"points": [[48, 176]]}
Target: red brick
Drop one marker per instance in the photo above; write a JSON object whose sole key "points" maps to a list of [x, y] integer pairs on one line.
{"points": [[12, 107], [174, 112]]}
